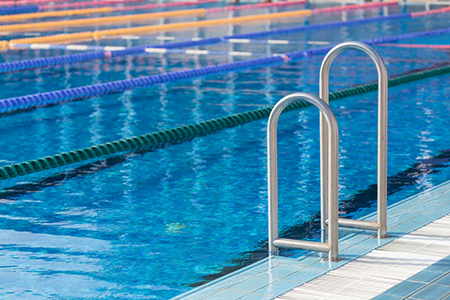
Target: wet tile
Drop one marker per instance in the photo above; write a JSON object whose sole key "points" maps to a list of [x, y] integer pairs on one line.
{"points": [[446, 298], [225, 295], [354, 252], [256, 297], [254, 283], [425, 276], [386, 297], [404, 228], [288, 261], [354, 241], [283, 271], [280, 287], [305, 275], [427, 217], [404, 288], [310, 260], [432, 292], [262, 267], [198, 294], [445, 280], [373, 243], [231, 281], [442, 266]]}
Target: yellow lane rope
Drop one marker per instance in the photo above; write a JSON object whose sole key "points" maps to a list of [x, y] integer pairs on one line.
{"points": [[4, 45], [101, 20], [71, 37], [206, 23], [60, 38], [60, 13]]}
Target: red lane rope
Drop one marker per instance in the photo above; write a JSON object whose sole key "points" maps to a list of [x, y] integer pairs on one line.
{"points": [[85, 3], [353, 6], [168, 4], [27, 2], [430, 12], [443, 47], [258, 5]]}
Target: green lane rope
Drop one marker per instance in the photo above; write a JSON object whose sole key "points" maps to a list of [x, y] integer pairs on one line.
{"points": [[185, 133]]}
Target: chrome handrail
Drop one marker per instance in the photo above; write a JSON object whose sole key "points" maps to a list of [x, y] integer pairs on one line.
{"points": [[332, 181], [381, 224]]}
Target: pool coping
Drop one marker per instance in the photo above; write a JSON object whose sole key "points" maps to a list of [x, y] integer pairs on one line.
{"points": [[276, 275]]}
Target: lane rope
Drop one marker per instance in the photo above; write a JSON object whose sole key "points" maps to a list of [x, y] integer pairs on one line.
{"points": [[18, 10], [253, 6], [61, 13], [354, 6], [102, 20], [112, 2], [82, 57], [37, 2], [32, 12], [432, 46], [430, 12], [226, 8], [206, 23], [88, 36], [62, 96], [185, 133]]}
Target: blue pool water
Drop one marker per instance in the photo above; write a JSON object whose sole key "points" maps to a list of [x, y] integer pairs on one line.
{"points": [[153, 225]]}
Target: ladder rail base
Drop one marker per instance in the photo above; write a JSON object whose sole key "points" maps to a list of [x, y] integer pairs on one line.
{"points": [[357, 224], [300, 244]]}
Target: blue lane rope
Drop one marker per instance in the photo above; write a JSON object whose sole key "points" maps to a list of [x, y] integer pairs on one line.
{"points": [[62, 96], [50, 61], [122, 85], [185, 133], [18, 10], [28, 64]]}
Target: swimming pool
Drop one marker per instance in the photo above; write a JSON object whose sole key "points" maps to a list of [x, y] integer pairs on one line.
{"points": [[153, 225]]}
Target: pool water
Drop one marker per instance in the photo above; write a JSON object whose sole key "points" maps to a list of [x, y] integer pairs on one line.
{"points": [[155, 224]]}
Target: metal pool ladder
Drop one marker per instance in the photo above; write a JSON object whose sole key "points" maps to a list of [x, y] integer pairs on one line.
{"points": [[329, 149], [381, 224], [331, 181]]}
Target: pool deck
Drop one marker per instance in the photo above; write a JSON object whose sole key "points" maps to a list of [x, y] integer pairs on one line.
{"points": [[415, 266], [413, 263]]}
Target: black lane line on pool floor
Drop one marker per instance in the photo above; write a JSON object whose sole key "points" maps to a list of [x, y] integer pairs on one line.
{"points": [[11, 193]]}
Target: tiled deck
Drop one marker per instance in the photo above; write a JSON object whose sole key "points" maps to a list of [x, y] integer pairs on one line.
{"points": [[430, 284], [274, 276], [391, 270]]}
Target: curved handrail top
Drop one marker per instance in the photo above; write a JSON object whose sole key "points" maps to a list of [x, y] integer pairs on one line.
{"points": [[351, 45], [294, 97]]}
